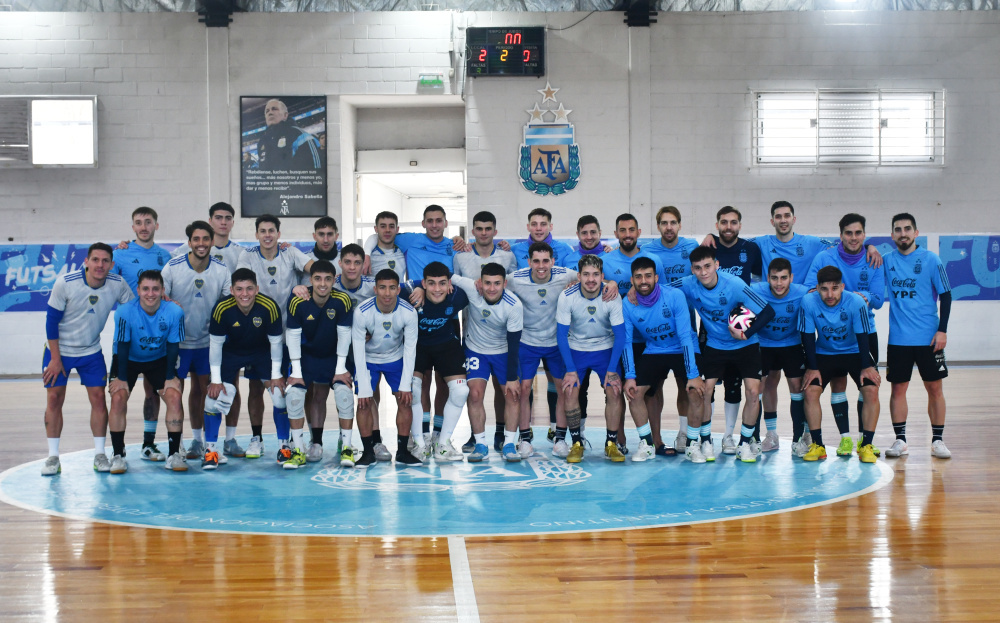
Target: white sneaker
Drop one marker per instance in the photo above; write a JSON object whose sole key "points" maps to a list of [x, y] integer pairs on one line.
{"points": [[255, 449], [807, 437], [176, 462], [560, 449], [708, 449], [152, 453], [445, 451], [382, 454], [101, 464], [411, 446], [939, 450], [799, 448], [771, 442], [755, 447], [680, 442], [747, 454], [524, 449], [315, 453], [694, 454], [51, 467], [728, 445], [644, 452], [897, 450], [118, 465]]}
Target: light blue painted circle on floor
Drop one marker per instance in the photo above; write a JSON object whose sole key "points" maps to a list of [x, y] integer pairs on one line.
{"points": [[540, 495]]}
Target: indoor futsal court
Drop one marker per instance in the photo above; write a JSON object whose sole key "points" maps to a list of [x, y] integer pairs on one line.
{"points": [[351, 203]]}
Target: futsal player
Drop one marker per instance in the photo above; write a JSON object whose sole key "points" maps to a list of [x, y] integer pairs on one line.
{"points": [[781, 351], [591, 336], [660, 315], [865, 280], [540, 230], [385, 253], [221, 217], [390, 351], [916, 335], [77, 311], [245, 333], [137, 256], [197, 281], [714, 295], [318, 337], [277, 271], [835, 329], [148, 334]]}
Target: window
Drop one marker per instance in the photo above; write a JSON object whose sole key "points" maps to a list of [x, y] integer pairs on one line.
{"points": [[48, 131], [848, 128]]}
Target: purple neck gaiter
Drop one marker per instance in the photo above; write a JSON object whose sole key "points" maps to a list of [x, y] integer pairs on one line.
{"points": [[847, 257], [650, 299]]}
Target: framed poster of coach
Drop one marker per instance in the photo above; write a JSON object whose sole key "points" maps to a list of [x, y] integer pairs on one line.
{"points": [[283, 155]]}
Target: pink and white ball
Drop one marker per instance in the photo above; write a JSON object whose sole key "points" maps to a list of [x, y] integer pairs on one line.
{"points": [[741, 318]]}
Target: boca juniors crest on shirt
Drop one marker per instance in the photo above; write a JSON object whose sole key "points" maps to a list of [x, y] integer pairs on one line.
{"points": [[550, 157]]}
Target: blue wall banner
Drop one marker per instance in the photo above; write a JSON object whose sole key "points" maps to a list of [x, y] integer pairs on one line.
{"points": [[973, 266]]}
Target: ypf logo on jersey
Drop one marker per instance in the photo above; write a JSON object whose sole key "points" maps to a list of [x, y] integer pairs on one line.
{"points": [[550, 158]]}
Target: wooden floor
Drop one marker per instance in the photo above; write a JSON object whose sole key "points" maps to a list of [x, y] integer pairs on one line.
{"points": [[926, 547]]}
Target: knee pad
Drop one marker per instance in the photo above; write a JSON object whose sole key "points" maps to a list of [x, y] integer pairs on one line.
{"points": [[295, 398], [458, 392], [277, 398], [417, 385], [344, 398], [224, 402], [733, 393]]}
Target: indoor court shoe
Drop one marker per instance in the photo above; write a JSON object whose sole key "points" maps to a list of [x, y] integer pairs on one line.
{"points": [[575, 453], [152, 453], [755, 447], [498, 439], [728, 445], [708, 449], [665, 450], [525, 449], [382, 454], [939, 450], [680, 442], [771, 442], [816, 453], [445, 451], [176, 463], [866, 454], [694, 454], [551, 435], [101, 463], [807, 438], [367, 458], [284, 455], [613, 453], [210, 460], [643, 453], [196, 449], [897, 450], [479, 453], [315, 453], [118, 465], [846, 447], [231, 447], [346, 457], [747, 454], [560, 449], [256, 448], [800, 447], [874, 449], [469, 445], [51, 467], [297, 460], [623, 449], [405, 457], [510, 453]]}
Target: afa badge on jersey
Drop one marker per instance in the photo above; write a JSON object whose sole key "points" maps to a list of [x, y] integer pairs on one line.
{"points": [[790, 308], [743, 257], [843, 316], [550, 158]]}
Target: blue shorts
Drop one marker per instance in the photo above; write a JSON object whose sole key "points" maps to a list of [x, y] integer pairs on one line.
{"points": [[393, 372], [318, 369], [256, 367], [193, 360], [594, 361], [531, 356], [92, 369], [478, 366]]}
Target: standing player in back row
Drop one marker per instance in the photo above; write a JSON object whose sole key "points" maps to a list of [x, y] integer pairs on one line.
{"points": [[916, 336], [77, 311], [540, 230], [221, 217]]}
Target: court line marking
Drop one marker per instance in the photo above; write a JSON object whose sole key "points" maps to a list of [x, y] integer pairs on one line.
{"points": [[461, 580], [886, 476]]}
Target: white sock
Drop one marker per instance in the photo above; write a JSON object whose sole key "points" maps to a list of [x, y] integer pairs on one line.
{"points": [[417, 427], [53, 446], [510, 436], [345, 436], [209, 446], [682, 426], [198, 434], [99, 444], [458, 394], [732, 414], [230, 432], [282, 443], [297, 438], [480, 437]]}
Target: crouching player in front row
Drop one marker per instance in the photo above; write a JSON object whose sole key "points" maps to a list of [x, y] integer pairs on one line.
{"points": [[841, 321], [318, 339], [244, 333]]}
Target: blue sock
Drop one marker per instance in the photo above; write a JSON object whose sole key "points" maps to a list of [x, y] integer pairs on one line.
{"points": [[706, 432], [692, 434], [281, 426], [212, 423], [746, 434], [438, 423], [645, 433], [426, 428], [149, 432], [771, 420]]}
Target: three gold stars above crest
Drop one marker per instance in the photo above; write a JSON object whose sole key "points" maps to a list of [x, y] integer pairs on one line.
{"points": [[538, 115]]}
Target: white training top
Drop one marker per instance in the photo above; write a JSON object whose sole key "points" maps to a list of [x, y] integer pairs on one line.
{"points": [[363, 292], [540, 301], [394, 260], [589, 320], [393, 337], [196, 293], [470, 264], [85, 310], [228, 255], [489, 322], [276, 277]]}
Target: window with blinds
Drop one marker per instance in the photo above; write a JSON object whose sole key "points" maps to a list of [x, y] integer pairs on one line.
{"points": [[826, 127], [48, 131]]}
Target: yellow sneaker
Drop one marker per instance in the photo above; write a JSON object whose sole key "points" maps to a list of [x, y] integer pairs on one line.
{"points": [[867, 454], [575, 453], [612, 453], [816, 452]]}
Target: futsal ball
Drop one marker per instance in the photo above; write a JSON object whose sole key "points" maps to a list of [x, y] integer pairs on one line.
{"points": [[741, 318]]}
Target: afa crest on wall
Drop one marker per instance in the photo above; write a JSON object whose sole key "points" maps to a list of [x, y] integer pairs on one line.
{"points": [[550, 157]]}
